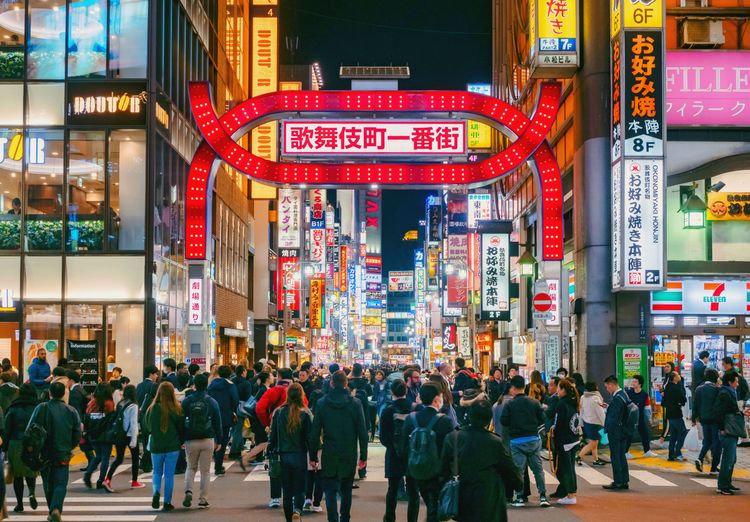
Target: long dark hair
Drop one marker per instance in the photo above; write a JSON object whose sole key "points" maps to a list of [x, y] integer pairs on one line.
{"points": [[294, 394], [102, 394], [572, 392], [445, 391], [128, 393]]}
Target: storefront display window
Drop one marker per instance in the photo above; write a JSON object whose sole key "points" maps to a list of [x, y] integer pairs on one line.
{"points": [[12, 29], [11, 150], [46, 49], [85, 191], [127, 190], [42, 323], [87, 39], [125, 340], [43, 207], [128, 30]]}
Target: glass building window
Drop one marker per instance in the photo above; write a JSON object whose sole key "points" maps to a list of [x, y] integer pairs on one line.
{"points": [[128, 35], [46, 49], [46, 104], [127, 190], [42, 332], [87, 39], [85, 192], [125, 339], [43, 207], [12, 96], [84, 322], [11, 153], [12, 31]]}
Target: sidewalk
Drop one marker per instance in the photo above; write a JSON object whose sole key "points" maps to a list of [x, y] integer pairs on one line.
{"points": [[741, 468]]}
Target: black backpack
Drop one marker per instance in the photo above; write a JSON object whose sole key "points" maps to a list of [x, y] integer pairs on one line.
{"points": [[399, 444], [198, 419], [116, 431], [35, 452], [630, 418], [98, 425], [424, 461]]}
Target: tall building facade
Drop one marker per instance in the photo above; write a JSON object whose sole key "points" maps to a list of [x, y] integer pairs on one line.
{"points": [[97, 139]]}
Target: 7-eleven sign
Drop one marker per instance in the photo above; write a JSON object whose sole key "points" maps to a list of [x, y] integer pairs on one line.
{"points": [[702, 297]]}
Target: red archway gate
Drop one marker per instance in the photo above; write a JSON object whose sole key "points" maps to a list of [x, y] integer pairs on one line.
{"points": [[219, 135]]}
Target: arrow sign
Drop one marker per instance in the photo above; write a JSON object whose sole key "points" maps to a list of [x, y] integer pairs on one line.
{"points": [[542, 302]]}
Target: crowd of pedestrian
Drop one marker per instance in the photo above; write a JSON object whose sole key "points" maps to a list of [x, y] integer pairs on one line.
{"points": [[445, 430]]}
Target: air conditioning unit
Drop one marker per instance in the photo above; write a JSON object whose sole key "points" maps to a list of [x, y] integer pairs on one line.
{"points": [[693, 3], [701, 34]]}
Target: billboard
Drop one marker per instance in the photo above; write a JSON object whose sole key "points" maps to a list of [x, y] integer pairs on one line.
{"points": [[401, 281], [289, 221], [373, 137], [264, 73], [708, 88], [702, 297], [288, 283], [495, 263]]}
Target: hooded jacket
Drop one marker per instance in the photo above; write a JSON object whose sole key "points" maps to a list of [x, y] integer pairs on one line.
{"points": [[591, 410], [8, 392], [224, 392], [340, 420], [17, 418]]}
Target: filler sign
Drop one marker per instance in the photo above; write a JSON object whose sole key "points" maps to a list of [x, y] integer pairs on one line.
{"points": [[316, 138]]}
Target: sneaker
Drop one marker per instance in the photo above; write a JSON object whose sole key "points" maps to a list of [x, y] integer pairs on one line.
{"points": [[32, 502], [629, 456], [316, 509], [167, 507], [307, 505], [517, 502], [713, 472], [87, 481], [734, 488], [203, 504], [155, 501], [188, 500], [108, 485], [699, 466], [297, 516], [275, 502], [650, 454], [136, 485], [18, 508], [543, 502], [726, 491], [568, 501], [55, 516], [220, 472], [599, 462]]}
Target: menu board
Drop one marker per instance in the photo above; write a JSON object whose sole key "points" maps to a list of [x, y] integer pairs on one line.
{"points": [[85, 355]]}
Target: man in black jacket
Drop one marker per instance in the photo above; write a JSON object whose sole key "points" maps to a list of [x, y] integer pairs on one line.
{"points": [[703, 412], [673, 399], [618, 441], [429, 489], [726, 404], [743, 392], [244, 389], [145, 393], [391, 436], [496, 386], [340, 419], [524, 418], [63, 428]]}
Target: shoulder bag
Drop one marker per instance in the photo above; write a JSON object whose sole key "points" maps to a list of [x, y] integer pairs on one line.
{"points": [[274, 458], [734, 425], [448, 507]]}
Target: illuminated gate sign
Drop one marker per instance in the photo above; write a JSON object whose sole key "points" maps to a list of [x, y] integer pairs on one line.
{"points": [[331, 138], [528, 136]]}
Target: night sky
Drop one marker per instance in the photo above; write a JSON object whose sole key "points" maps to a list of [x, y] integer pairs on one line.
{"points": [[446, 43]]}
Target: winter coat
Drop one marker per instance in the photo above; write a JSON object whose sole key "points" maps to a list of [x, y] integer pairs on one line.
{"points": [[704, 400], [38, 372], [17, 418], [282, 440], [726, 404], [339, 418], [164, 441], [698, 373], [8, 392], [244, 387], [79, 399], [65, 427], [225, 393], [566, 422], [523, 416], [495, 389], [591, 410], [275, 397], [673, 400], [485, 469], [394, 465]]}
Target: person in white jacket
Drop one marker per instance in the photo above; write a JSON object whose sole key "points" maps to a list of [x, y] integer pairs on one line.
{"points": [[127, 409], [592, 413]]}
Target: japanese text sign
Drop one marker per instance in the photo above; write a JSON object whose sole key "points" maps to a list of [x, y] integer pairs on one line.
{"points": [[402, 281], [317, 303], [708, 88], [289, 218], [553, 30], [356, 137], [728, 206], [288, 283], [495, 249], [195, 302], [643, 123], [480, 209]]}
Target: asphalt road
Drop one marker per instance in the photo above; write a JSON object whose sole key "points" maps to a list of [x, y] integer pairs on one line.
{"points": [[239, 495]]}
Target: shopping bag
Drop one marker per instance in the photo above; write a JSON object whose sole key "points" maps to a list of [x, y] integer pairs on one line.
{"points": [[692, 442], [604, 440]]}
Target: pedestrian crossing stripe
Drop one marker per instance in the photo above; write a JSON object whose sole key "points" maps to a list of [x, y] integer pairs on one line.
{"points": [[706, 482], [592, 476], [82, 518], [649, 478], [148, 477]]}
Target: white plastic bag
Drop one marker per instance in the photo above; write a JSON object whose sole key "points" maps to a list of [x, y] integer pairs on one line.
{"points": [[692, 441]]}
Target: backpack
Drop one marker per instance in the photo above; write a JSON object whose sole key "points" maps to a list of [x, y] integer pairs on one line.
{"points": [[361, 394], [198, 419], [116, 431], [34, 443], [424, 462], [630, 420], [399, 444], [98, 426]]}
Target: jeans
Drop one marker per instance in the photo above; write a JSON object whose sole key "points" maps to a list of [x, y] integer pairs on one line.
{"points": [[219, 455], [238, 441], [55, 484], [332, 487], [644, 432], [102, 450], [198, 453], [678, 433], [728, 459], [711, 441], [164, 466], [391, 499], [293, 476], [566, 471], [617, 450], [429, 490], [120, 456], [314, 488], [146, 454], [527, 454]]}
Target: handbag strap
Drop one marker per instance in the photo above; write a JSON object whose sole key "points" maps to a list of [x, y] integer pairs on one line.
{"points": [[454, 465]]}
